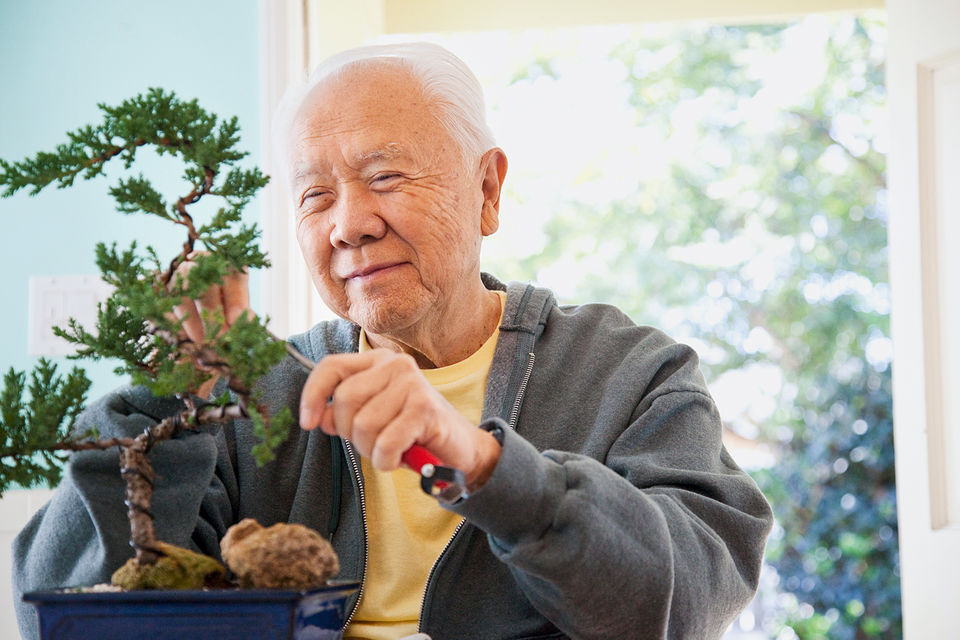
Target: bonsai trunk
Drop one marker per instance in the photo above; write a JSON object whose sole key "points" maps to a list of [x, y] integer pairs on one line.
{"points": [[138, 474]]}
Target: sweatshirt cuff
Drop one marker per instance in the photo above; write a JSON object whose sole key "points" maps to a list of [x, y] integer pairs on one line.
{"points": [[519, 500]]}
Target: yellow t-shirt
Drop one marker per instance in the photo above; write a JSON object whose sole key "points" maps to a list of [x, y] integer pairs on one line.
{"points": [[407, 529]]}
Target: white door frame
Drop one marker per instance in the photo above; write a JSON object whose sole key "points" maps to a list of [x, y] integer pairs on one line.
{"points": [[923, 87]]}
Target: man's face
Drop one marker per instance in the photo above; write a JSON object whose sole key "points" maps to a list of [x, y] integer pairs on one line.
{"points": [[389, 214]]}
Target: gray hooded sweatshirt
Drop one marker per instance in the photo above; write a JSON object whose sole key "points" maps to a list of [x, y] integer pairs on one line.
{"points": [[613, 512]]}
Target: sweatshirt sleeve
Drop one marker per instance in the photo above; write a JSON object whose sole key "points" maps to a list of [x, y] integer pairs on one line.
{"points": [[662, 537], [81, 535]]}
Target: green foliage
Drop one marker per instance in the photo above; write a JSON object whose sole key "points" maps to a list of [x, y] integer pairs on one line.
{"points": [[33, 424], [833, 495], [271, 432], [137, 325], [243, 345], [155, 118], [765, 247], [137, 194]]}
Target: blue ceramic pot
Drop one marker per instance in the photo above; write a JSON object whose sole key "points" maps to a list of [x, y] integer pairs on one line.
{"points": [[237, 614]]}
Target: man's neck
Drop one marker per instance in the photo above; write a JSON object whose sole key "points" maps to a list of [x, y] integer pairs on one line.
{"points": [[453, 338]]}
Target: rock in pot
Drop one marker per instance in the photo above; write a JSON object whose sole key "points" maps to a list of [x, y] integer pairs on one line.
{"points": [[282, 556]]}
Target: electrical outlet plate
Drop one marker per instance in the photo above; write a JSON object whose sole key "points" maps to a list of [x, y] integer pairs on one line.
{"points": [[56, 299]]}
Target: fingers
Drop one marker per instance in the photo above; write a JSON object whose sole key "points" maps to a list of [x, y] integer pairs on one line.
{"points": [[235, 296], [359, 404], [231, 298], [378, 425], [189, 314], [326, 378], [395, 438], [380, 402]]}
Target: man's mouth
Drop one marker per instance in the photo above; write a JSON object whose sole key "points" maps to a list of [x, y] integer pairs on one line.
{"points": [[370, 271]]}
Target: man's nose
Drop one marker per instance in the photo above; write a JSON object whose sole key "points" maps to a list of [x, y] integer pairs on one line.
{"points": [[356, 218]]}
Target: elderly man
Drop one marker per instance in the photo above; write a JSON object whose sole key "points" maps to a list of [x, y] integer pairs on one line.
{"points": [[600, 502]]}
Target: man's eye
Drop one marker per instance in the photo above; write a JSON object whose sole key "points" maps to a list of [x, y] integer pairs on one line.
{"points": [[313, 195], [315, 200], [384, 178]]}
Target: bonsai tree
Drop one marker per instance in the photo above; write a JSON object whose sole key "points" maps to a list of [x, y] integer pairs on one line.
{"points": [[137, 326]]}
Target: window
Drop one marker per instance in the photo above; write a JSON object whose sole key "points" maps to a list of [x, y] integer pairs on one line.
{"points": [[726, 183]]}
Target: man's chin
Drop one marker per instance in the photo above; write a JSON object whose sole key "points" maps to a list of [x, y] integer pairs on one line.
{"points": [[387, 315]]}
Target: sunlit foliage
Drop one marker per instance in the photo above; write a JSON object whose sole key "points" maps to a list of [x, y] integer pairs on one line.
{"points": [[759, 236]]}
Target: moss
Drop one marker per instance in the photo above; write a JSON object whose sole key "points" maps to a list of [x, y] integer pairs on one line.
{"points": [[179, 568]]}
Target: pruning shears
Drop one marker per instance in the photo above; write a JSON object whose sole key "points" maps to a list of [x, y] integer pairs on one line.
{"points": [[442, 482]]}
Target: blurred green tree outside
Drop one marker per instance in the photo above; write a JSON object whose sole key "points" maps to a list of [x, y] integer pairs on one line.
{"points": [[761, 240]]}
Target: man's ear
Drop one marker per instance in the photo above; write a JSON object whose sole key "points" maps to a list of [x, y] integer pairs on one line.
{"points": [[493, 169]]}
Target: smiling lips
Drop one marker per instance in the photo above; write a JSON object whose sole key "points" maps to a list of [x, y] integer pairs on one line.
{"points": [[371, 271]]}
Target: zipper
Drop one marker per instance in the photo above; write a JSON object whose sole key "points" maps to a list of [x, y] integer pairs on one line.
{"points": [[514, 414], [363, 516], [433, 570]]}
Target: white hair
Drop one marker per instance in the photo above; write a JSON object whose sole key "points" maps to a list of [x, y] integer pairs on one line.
{"points": [[444, 79]]}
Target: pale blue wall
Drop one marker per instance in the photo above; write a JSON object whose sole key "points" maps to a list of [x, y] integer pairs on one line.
{"points": [[58, 58]]}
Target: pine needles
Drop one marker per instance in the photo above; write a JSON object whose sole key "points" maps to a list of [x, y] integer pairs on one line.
{"points": [[136, 324]]}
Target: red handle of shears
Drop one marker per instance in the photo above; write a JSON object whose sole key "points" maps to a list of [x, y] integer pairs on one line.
{"points": [[416, 457], [444, 483], [424, 463]]}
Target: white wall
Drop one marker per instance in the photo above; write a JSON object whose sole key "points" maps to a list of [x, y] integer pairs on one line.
{"points": [[16, 507]]}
